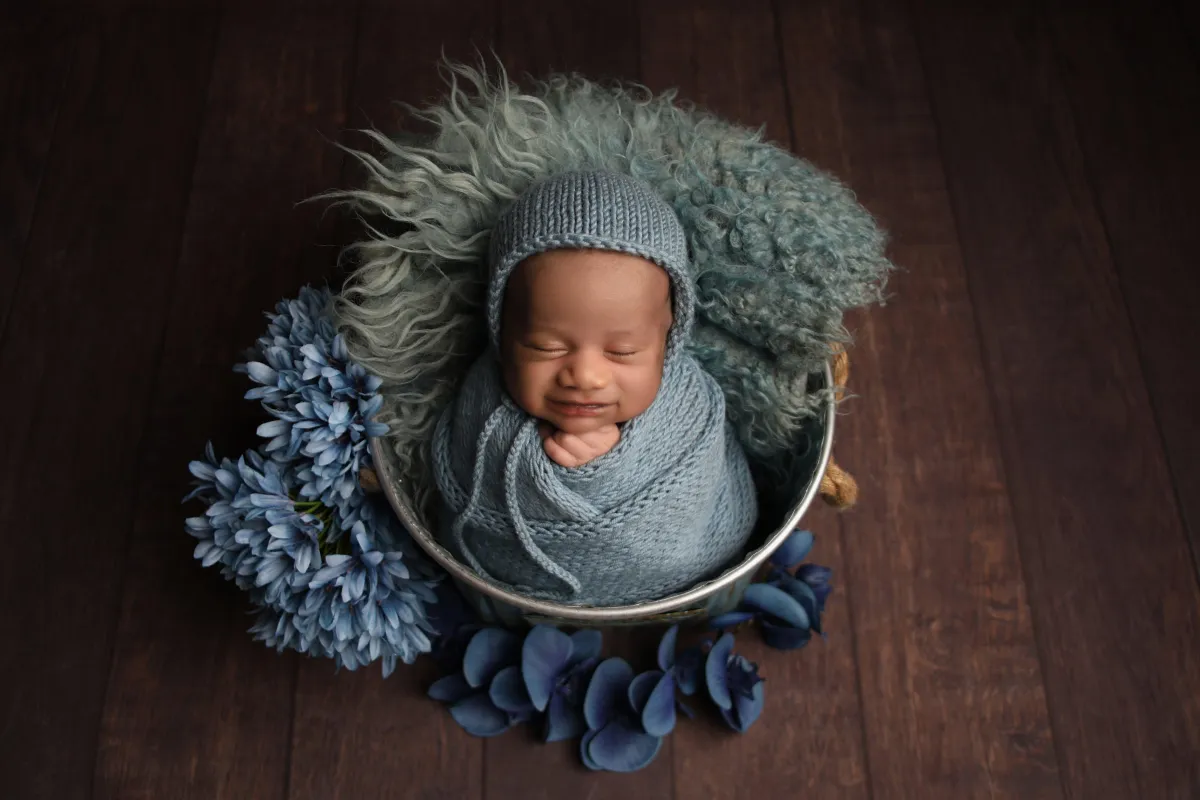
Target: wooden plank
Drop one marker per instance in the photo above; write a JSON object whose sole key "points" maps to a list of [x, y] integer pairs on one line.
{"points": [[1135, 92], [1114, 596], [356, 734], [952, 689], [195, 707], [37, 55], [84, 334], [1189, 17], [727, 58]]}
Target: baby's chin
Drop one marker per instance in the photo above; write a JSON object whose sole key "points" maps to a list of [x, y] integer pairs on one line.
{"points": [[579, 425]]}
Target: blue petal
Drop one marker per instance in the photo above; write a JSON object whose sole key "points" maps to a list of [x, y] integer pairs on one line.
{"points": [[563, 720], [731, 619], [273, 428], [544, 655], [688, 668], [202, 470], [793, 550], [584, 744], [716, 671], [804, 595], [508, 692], [777, 603], [640, 689], [746, 710], [658, 716], [261, 373], [782, 637], [488, 651], [450, 689], [610, 681], [585, 644], [666, 648], [478, 716], [619, 748]]}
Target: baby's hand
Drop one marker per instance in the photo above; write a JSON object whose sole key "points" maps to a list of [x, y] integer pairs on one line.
{"points": [[575, 450]]}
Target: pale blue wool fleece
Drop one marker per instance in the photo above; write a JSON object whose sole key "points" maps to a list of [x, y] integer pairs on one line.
{"points": [[780, 250], [671, 504]]}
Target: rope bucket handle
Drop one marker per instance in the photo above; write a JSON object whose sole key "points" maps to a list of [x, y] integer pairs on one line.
{"points": [[838, 487]]}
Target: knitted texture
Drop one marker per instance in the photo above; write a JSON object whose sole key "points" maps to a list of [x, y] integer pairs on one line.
{"points": [[592, 209], [671, 504], [779, 249]]}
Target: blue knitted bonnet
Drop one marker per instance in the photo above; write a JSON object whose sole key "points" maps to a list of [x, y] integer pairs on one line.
{"points": [[599, 210]]}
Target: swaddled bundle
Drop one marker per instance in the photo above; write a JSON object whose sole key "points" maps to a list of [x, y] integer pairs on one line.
{"points": [[671, 501]]}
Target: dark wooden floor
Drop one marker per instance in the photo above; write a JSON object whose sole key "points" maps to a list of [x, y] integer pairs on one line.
{"points": [[1019, 614]]}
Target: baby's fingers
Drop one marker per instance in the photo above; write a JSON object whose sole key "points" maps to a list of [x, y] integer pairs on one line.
{"points": [[559, 454]]}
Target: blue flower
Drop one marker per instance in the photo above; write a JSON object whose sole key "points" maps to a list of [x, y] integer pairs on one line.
{"points": [[686, 667], [787, 607], [324, 405], [556, 668], [355, 597], [627, 715], [733, 684], [488, 696], [817, 578]]}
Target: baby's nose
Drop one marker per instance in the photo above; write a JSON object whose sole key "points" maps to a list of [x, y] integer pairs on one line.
{"points": [[588, 372]]}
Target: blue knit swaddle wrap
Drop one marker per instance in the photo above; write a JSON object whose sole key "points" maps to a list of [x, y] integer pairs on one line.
{"points": [[672, 502]]}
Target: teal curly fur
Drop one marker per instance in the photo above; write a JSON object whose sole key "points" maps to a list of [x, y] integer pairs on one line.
{"points": [[780, 249]]}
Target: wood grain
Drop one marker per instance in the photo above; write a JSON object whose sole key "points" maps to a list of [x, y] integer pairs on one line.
{"points": [[952, 690], [37, 55], [1027, 391], [1134, 91], [1110, 577], [195, 707], [84, 335], [356, 734], [809, 738]]}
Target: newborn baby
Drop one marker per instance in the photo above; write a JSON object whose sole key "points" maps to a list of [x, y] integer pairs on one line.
{"points": [[583, 337], [587, 458]]}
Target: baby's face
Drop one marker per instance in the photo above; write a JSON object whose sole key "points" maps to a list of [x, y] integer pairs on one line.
{"points": [[583, 336]]}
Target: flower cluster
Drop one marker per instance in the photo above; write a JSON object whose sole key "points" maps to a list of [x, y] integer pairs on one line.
{"points": [[559, 681], [329, 567], [787, 606], [323, 403]]}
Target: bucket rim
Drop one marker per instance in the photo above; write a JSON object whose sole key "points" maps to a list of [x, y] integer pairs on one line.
{"points": [[600, 614]]}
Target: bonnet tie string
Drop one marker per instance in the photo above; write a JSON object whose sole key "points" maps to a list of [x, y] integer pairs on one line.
{"points": [[525, 439], [468, 512]]}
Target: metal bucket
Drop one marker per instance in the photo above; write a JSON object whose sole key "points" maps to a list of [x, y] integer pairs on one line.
{"points": [[496, 604]]}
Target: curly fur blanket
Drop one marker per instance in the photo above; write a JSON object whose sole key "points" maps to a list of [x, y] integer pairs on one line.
{"points": [[781, 250]]}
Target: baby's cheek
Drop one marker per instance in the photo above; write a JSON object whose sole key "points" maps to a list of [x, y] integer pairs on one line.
{"points": [[536, 380], [643, 388]]}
